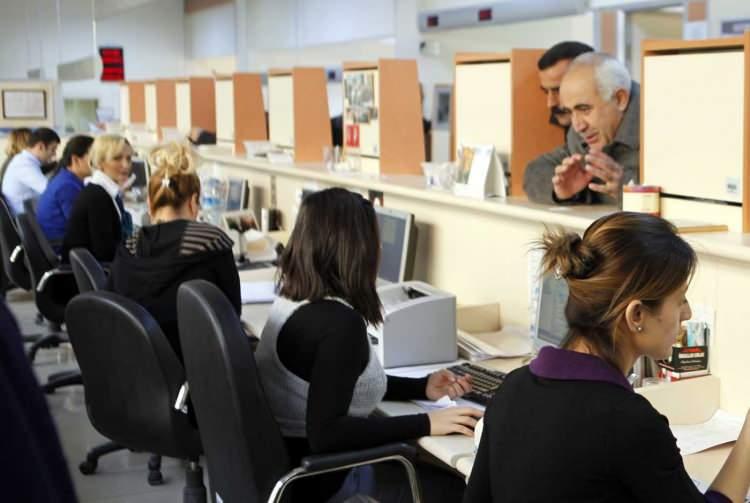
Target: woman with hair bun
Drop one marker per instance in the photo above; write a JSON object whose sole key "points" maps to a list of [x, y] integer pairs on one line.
{"points": [[568, 427], [175, 248]]}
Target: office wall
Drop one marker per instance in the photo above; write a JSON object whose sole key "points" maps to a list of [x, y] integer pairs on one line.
{"points": [[210, 33], [725, 10]]}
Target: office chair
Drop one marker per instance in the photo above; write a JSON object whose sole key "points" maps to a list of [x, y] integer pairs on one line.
{"points": [[53, 284], [245, 452], [88, 272], [132, 378], [12, 249]]}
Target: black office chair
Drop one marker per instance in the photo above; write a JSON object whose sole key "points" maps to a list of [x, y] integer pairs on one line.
{"points": [[89, 274], [132, 378], [245, 452], [52, 283], [12, 249]]}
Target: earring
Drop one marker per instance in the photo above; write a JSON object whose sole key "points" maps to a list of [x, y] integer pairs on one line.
{"points": [[639, 328]]}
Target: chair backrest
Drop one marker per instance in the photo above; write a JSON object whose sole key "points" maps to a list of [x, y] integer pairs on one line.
{"points": [[11, 249], [131, 375], [36, 260], [44, 243], [90, 275], [244, 449]]}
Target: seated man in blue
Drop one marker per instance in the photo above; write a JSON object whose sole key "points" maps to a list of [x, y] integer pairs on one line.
{"points": [[57, 200]]}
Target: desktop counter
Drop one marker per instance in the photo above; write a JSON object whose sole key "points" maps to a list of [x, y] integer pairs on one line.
{"points": [[479, 250]]}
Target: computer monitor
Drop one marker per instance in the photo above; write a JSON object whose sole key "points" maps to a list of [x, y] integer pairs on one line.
{"points": [[551, 327], [237, 194], [398, 241], [139, 168]]}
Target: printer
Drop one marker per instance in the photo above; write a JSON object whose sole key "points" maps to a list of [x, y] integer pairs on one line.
{"points": [[419, 325]]}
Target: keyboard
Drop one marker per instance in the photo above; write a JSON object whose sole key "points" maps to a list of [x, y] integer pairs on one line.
{"points": [[484, 381]]}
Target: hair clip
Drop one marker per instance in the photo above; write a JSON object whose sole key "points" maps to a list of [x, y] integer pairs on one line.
{"points": [[558, 274], [165, 182]]}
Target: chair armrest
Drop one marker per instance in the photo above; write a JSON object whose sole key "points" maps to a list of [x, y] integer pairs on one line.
{"points": [[15, 253], [321, 462], [60, 270]]}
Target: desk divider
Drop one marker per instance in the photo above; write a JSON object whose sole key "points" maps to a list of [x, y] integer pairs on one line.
{"points": [[137, 102], [166, 105], [249, 112], [203, 103]]}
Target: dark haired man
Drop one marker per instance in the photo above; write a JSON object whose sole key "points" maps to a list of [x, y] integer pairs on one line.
{"points": [[552, 66], [23, 177]]}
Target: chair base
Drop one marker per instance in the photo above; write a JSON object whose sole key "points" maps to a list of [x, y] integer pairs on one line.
{"points": [[155, 477], [47, 341], [88, 466], [61, 379], [195, 491]]}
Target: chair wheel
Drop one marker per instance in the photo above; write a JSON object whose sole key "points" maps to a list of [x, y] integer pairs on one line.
{"points": [[155, 478], [87, 467]]}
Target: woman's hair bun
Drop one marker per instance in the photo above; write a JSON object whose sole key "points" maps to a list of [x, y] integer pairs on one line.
{"points": [[171, 159], [566, 255]]}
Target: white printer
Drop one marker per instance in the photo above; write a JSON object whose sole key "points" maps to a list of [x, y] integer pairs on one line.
{"points": [[419, 325]]}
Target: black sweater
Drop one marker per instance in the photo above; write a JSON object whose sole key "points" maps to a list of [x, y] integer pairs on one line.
{"points": [[575, 441], [151, 266], [325, 343], [94, 224]]}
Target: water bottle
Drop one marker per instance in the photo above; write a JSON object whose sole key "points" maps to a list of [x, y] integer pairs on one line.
{"points": [[213, 199]]}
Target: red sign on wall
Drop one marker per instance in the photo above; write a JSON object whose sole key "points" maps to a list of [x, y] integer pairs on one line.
{"points": [[352, 135], [113, 62]]}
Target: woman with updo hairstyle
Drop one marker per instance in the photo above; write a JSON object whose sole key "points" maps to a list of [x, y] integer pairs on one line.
{"points": [[175, 248], [568, 426]]}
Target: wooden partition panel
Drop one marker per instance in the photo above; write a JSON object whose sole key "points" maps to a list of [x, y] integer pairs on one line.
{"points": [[401, 135], [203, 103], [249, 112], [532, 134], [166, 104], [137, 96], [312, 123]]}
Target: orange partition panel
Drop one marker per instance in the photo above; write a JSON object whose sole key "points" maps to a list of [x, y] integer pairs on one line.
{"points": [[137, 93], [166, 104], [203, 103], [532, 133], [401, 136], [312, 124], [249, 112]]}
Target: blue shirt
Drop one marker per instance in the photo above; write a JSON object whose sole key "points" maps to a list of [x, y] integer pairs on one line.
{"points": [[56, 203], [23, 180]]}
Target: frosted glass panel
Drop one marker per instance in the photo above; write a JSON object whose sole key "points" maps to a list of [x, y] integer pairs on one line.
{"points": [[281, 110], [124, 105], [693, 127], [483, 105], [225, 110], [184, 123], [151, 107]]}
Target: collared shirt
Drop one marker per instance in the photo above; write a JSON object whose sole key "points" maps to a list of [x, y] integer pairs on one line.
{"points": [[23, 180], [56, 203], [624, 149], [569, 427]]}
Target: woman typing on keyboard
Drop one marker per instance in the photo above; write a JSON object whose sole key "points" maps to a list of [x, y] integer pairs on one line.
{"points": [[322, 379], [568, 427]]}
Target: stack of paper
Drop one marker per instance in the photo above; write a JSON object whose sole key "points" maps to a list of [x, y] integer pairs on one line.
{"points": [[257, 292], [722, 428]]}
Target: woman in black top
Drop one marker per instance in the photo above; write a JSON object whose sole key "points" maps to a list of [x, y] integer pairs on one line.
{"points": [[152, 264], [569, 427], [321, 376], [98, 220]]}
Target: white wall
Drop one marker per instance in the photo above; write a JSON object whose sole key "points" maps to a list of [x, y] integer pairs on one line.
{"points": [[210, 33], [725, 10]]}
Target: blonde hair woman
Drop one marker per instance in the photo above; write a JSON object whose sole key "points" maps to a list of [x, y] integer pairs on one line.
{"points": [[98, 221], [18, 140], [176, 248]]}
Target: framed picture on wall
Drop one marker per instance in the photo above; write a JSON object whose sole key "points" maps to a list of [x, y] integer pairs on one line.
{"points": [[24, 104]]}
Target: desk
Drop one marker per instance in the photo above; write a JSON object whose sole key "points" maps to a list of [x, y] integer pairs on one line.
{"points": [[675, 400]]}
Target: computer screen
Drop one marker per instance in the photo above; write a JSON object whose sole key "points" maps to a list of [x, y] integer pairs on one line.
{"points": [[396, 257], [237, 194], [139, 168], [551, 326]]}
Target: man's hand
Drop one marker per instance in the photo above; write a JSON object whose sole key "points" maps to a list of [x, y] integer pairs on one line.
{"points": [[600, 165], [444, 382], [570, 177]]}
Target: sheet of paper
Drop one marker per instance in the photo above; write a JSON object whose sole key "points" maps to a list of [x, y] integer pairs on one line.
{"points": [[257, 292], [720, 429]]}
